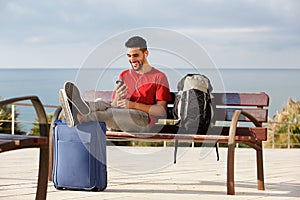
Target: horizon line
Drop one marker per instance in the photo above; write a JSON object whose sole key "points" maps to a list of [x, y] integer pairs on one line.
{"points": [[74, 68]]}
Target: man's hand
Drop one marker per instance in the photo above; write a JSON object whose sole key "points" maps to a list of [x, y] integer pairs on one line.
{"points": [[121, 91], [120, 95]]}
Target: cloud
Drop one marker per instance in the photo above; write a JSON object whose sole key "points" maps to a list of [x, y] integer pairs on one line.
{"points": [[78, 17], [236, 30], [33, 39], [254, 25], [18, 9]]}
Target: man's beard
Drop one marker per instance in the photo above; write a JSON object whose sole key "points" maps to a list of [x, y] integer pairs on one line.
{"points": [[139, 67]]}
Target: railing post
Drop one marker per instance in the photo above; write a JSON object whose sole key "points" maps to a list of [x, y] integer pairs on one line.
{"points": [[12, 119], [273, 140], [289, 136]]}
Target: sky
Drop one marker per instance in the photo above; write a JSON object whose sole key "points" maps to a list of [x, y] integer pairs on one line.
{"points": [[235, 33]]}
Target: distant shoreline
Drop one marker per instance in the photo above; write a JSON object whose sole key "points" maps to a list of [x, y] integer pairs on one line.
{"points": [[221, 68]]}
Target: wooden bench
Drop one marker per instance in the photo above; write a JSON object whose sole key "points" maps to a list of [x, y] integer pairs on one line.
{"points": [[11, 142], [238, 118]]}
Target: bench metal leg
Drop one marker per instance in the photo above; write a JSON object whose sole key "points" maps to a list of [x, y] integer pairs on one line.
{"points": [[42, 186], [260, 169], [230, 169], [230, 155]]}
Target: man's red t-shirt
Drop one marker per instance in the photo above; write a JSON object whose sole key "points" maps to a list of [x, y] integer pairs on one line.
{"points": [[146, 88]]}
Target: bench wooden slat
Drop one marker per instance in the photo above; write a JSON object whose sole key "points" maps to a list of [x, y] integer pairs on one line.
{"points": [[214, 134], [21, 141], [6, 145], [168, 137], [4, 136], [225, 114], [241, 99], [260, 133]]}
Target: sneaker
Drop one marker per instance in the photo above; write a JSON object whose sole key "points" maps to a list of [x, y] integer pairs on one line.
{"points": [[74, 97], [66, 107]]}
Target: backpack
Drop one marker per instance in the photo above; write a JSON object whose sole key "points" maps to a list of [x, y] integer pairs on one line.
{"points": [[192, 106]]}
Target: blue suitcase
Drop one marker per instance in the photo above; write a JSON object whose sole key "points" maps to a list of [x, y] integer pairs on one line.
{"points": [[79, 160]]}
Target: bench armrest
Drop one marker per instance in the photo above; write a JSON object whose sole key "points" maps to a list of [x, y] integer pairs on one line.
{"points": [[234, 122]]}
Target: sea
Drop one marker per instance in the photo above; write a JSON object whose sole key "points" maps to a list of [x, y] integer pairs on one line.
{"points": [[279, 83]]}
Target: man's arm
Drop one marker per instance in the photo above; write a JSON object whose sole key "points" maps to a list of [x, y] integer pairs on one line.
{"points": [[157, 110]]}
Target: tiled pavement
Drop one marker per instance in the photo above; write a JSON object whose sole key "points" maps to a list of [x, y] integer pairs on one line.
{"points": [[196, 175]]}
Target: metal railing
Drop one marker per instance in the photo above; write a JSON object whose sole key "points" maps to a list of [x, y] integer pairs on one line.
{"points": [[13, 117], [284, 140]]}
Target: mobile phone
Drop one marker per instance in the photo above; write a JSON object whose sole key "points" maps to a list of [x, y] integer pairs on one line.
{"points": [[119, 82]]}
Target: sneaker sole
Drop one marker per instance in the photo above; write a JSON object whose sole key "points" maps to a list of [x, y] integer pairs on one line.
{"points": [[66, 107], [73, 94]]}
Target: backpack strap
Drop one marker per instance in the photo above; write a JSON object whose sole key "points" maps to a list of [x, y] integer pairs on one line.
{"points": [[217, 151], [175, 151]]}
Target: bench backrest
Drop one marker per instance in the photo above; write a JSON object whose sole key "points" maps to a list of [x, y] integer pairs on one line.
{"points": [[254, 103], [224, 104]]}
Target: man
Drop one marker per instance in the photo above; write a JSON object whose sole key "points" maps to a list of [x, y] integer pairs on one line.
{"points": [[139, 98]]}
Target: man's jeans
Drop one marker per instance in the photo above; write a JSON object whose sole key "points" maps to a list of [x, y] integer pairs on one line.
{"points": [[118, 118]]}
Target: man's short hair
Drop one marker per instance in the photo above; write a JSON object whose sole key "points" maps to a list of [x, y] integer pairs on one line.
{"points": [[136, 42]]}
